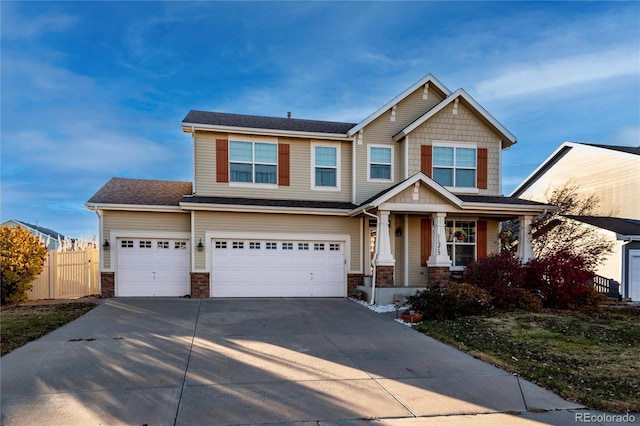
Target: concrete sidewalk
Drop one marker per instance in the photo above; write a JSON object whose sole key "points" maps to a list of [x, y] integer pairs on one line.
{"points": [[257, 361]]}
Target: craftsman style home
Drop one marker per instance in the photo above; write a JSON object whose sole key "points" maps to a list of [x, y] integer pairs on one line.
{"points": [[286, 207]]}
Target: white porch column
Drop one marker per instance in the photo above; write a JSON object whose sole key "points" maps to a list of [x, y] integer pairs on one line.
{"points": [[385, 258], [525, 247], [439, 256]]}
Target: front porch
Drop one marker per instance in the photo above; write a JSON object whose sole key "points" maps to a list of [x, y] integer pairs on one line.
{"points": [[419, 234]]}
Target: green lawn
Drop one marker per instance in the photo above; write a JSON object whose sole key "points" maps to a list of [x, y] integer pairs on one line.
{"points": [[593, 359], [21, 324]]}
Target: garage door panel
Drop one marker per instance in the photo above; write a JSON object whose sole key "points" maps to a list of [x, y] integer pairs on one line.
{"points": [[277, 268], [152, 267]]}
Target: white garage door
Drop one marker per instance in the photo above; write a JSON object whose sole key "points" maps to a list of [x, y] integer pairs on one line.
{"points": [[278, 268], [152, 267], [634, 275]]}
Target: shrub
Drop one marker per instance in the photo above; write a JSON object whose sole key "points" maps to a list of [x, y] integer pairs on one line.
{"points": [[562, 280], [500, 274], [450, 301], [359, 294], [529, 300], [22, 256]]}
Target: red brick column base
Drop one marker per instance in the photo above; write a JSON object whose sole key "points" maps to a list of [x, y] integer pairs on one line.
{"points": [[353, 281], [200, 285], [438, 275], [107, 284], [384, 276]]}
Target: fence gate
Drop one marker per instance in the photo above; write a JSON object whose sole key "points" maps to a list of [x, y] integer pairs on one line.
{"points": [[68, 274]]}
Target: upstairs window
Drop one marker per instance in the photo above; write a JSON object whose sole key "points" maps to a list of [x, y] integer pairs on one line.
{"points": [[253, 162], [380, 163], [455, 166], [325, 167]]}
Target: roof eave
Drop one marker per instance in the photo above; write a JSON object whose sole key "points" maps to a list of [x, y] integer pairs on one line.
{"points": [[191, 127], [429, 78], [134, 207], [263, 209], [508, 139]]}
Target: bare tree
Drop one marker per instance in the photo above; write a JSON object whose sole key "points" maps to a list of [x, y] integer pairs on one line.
{"points": [[553, 232]]}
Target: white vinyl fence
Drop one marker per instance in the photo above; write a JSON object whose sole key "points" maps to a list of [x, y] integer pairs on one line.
{"points": [[68, 274]]}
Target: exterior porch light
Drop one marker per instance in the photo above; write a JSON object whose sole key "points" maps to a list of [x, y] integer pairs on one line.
{"points": [[398, 232], [106, 245], [200, 245]]}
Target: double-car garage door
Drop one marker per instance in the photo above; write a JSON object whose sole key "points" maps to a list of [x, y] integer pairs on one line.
{"points": [[277, 268], [239, 268]]}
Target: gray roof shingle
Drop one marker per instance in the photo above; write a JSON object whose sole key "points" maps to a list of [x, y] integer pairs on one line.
{"points": [[261, 122], [615, 224], [628, 149], [310, 204], [141, 192]]}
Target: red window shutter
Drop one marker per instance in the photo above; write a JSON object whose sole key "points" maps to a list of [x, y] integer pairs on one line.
{"points": [[426, 162], [425, 241], [481, 239], [283, 164], [482, 167], [222, 160]]}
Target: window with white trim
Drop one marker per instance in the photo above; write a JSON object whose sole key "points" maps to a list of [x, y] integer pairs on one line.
{"points": [[287, 246], [221, 244], [144, 244], [325, 167], [380, 163], [455, 165], [461, 241], [253, 162]]}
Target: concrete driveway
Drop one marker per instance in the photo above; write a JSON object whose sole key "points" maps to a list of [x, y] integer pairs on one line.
{"points": [[252, 361]]}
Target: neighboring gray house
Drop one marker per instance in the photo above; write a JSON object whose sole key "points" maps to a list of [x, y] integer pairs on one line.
{"points": [[613, 174], [50, 238]]}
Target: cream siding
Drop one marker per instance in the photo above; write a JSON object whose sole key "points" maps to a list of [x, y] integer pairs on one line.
{"points": [[141, 222], [300, 170], [295, 225], [463, 127], [613, 177], [381, 131]]}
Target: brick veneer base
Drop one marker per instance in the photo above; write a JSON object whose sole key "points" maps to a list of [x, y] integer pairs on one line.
{"points": [[438, 275], [107, 284], [200, 285], [353, 281], [384, 276]]}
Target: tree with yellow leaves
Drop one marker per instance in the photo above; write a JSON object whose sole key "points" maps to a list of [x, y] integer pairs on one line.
{"points": [[22, 257]]}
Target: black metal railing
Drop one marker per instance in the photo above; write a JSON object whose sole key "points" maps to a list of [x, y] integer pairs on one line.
{"points": [[607, 286]]}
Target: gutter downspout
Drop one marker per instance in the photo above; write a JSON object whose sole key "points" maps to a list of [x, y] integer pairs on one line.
{"points": [[375, 256]]}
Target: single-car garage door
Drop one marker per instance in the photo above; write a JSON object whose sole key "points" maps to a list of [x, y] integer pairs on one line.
{"points": [[152, 267], [277, 268]]}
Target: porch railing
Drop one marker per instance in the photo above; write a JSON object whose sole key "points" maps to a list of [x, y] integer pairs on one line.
{"points": [[607, 286]]}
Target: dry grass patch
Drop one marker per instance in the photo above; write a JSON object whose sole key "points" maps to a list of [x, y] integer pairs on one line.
{"points": [[589, 358], [22, 324]]}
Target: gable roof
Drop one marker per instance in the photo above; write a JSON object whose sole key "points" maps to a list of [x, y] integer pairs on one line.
{"points": [[386, 107], [39, 229], [461, 201], [122, 191], [621, 226], [508, 138], [225, 121], [563, 150], [627, 149]]}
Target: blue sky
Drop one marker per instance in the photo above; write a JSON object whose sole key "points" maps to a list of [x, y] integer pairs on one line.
{"points": [[92, 90]]}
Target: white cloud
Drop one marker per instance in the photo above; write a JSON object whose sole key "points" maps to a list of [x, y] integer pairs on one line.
{"points": [[626, 136], [18, 26], [559, 74]]}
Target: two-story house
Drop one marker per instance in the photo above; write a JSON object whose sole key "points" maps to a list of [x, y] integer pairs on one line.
{"points": [[285, 207], [612, 173]]}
